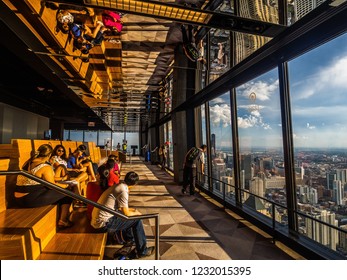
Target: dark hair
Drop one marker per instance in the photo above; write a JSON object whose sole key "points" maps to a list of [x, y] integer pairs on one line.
{"points": [[203, 146], [82, 147], [114, 157], [63, 156], [43, 151], [104, 172], [110, 163], [131, 178]]}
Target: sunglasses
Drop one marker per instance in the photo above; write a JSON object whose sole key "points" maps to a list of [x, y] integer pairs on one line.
{"points": [[60, 151]]}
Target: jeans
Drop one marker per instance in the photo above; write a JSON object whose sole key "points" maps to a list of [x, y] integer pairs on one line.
{"points": [[132, 228], [189, 177]]}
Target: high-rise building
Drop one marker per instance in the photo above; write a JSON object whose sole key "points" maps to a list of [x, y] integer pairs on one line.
{"points": [[303, 7], [213, 145], [257, 186], [338, 192], [246, 165], [320, 232], [331, 177]]}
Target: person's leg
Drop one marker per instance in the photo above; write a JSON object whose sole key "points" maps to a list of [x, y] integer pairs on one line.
{"points": [[82, 177], [192, 180], [115, 224], [185, 179], [90, 170]]}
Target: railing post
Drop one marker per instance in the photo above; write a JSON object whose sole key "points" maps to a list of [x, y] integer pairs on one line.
{"points": [[157, 256], [273, 223]]}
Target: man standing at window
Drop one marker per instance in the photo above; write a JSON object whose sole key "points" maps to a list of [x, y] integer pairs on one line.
{"points": [[194, 158]]}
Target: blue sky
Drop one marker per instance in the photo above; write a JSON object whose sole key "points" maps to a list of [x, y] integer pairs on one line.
{"points": [[318, 86]]}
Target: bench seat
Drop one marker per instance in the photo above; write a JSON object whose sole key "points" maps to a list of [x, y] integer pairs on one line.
{"points": [[75, 246], [25, 232]]}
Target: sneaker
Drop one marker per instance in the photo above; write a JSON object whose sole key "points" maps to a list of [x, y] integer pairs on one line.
{"points": [[149, 252]]}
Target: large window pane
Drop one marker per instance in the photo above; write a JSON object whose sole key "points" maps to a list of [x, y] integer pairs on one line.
{"points": [[318, 87], [76, 135], [219, 53], [221, 145], [104, 136], [203, 179], [261, 145], [170, 162], [90, 136]]}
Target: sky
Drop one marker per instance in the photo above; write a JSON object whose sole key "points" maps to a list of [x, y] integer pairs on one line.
{"points": [[318, 93]]}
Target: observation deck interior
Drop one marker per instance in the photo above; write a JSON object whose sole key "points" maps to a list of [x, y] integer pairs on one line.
{"points": [[142, 80]]}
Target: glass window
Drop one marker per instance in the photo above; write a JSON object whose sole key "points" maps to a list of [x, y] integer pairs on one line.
{"points": [[104, 136], [246, 44], [219, 52], [221, 145], [318, 86], [170, 162], [90, 136], [66, 135], [261, 145], [203, 181], [76, 135]]}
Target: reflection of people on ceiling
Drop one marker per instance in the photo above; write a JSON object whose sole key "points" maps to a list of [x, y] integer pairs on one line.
{"points": [[189, 47], [84, 38], [113, 21], [220, 54], [67, 14], [220, 59]]}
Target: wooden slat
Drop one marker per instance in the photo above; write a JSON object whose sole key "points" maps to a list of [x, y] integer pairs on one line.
{"points": [[38, 143], [69, 146], [4, 164], [75, 246], [25, 232], [22, 149]]}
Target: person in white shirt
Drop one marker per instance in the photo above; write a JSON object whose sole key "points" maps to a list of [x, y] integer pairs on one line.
{"points": [[117, 198]]}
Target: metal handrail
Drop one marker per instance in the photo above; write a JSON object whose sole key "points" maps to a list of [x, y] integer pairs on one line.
{"points": [[69, 193], [273, 203]]}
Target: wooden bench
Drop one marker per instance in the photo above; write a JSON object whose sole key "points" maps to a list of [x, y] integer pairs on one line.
{"points": [[30, 233], [24, 232]]}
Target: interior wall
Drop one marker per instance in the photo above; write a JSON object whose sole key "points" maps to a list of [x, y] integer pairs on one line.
{"points": [[17, 123]]}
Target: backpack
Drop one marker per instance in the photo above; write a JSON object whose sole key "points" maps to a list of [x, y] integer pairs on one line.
{"points": [[192, 154]]}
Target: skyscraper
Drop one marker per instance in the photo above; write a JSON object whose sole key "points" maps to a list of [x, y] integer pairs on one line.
{"points": [[303, 7], [322, 233]]}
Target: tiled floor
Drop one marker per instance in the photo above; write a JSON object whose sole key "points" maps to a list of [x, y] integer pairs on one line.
{"points": [[195, 227]]}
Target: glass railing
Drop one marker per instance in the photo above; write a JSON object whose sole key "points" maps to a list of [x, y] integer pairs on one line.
{"points": [[319, 235]]}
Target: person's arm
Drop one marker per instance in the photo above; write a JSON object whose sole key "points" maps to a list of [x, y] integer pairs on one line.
{"points": [[130, 211], [48, 175]]}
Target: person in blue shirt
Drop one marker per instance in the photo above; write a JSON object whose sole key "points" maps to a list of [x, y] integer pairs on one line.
{"points": [[75, 162]]}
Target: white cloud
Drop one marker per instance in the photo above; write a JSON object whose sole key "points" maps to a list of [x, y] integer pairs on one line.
{"points": [[263, 90], [253, 120], [310, 126], [217, 100], [324, 81], [220, 115]]}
